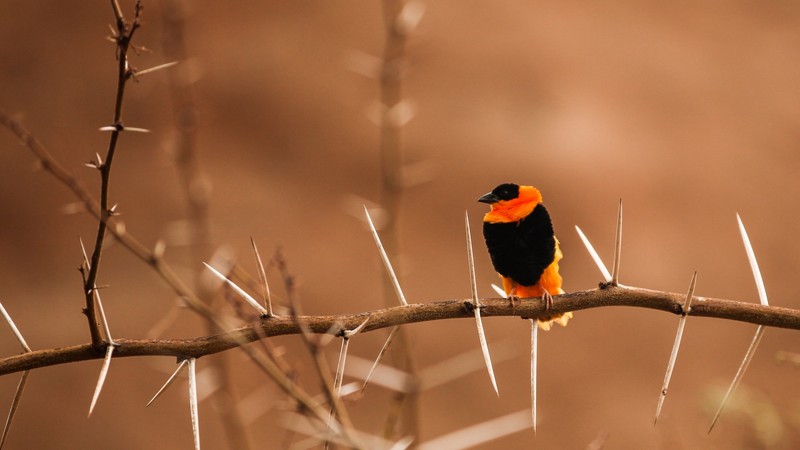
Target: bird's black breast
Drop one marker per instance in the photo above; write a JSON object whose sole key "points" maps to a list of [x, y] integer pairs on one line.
{"points": [[522, 250]]}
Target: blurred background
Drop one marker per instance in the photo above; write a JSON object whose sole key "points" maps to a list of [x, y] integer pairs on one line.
{"points": [[688, 111]]}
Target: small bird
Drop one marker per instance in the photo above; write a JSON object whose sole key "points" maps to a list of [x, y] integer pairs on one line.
{"points": [[523, 246]]}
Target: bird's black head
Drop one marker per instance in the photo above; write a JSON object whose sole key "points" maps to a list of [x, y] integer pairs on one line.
{"points": [[505, 191]]}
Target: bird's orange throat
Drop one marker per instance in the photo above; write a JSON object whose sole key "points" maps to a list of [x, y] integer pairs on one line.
{"points": [[516, 209]]}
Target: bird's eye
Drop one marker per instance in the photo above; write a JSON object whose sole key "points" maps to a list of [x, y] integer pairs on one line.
{"points": [[507, 191]]}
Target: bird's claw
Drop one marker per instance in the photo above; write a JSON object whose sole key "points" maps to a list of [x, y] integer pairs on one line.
{"points": [[548, 300]]}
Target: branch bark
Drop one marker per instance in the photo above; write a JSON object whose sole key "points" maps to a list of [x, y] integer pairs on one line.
{"points": [[605, 296]]}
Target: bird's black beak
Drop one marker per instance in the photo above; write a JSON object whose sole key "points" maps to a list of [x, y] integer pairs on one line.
{"points": [[489, 198]]}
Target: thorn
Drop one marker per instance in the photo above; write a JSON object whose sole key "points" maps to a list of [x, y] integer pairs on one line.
{"points": [[499, 290], [136, 130], [675, 347], [471, 264], [385, 258], [14, 405], [751, 257], [102, 378], [740, 372], [247, 297], [409, 17], [475, 435], [14, 329], [386, 344], [487, 359], [263, 276], [762, 295], [120, 229], [617, 247], [534, 368], [159, 249], [594, 255], [193, 402], [154, 69], [103, 320], [347, 334], [168, 383], [339, 376]]}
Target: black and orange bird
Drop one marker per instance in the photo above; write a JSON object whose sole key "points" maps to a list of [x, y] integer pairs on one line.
{"points": [[523, 246]]}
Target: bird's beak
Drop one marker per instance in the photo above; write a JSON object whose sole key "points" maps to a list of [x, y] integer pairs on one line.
{"points": [[489, 198]]}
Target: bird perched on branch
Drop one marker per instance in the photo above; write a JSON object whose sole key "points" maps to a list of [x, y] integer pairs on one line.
{"points": [[523, 246]]}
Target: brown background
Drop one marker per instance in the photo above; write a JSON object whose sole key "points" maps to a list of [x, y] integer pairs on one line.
{"points": [[688, 111]]}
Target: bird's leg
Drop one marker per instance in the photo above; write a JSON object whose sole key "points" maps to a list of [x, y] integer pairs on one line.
{"points": [[513, 297], [548, 300]]}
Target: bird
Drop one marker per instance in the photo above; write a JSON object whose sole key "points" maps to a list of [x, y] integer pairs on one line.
{"points": [[523, 247]]}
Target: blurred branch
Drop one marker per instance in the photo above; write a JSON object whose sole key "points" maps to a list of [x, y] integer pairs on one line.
{"points": [[196, 191], [397, 28], [771, 316]]}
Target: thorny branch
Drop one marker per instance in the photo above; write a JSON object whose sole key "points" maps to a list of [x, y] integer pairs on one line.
{"points": [[771, 316], [122, 38]]}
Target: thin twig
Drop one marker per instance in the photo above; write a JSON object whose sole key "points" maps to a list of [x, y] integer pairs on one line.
{"points": [[123, 38]]}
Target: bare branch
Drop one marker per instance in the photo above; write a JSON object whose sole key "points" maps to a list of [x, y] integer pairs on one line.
{"points": [[771, 316]]}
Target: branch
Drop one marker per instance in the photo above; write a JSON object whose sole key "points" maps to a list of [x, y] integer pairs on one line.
{"points": [[771, 316]]}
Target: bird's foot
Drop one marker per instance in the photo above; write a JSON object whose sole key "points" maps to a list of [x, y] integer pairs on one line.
{"points": [[548, 300]]}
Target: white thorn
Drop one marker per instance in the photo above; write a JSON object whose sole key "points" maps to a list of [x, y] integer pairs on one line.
{"points": [[168, 383], [102, 378], [14, 405], [14, 329], [751, 257], [534, 368], [675, 347], [617, 247], [193, 402], [595, 257], [385, 259], [477, 307], [247, 297]]}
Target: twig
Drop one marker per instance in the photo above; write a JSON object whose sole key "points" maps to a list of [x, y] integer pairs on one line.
{"points": [[123, 37], [771, 316]]}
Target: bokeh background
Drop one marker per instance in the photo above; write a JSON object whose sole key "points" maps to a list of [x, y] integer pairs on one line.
{"points": [[689, 111]]}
